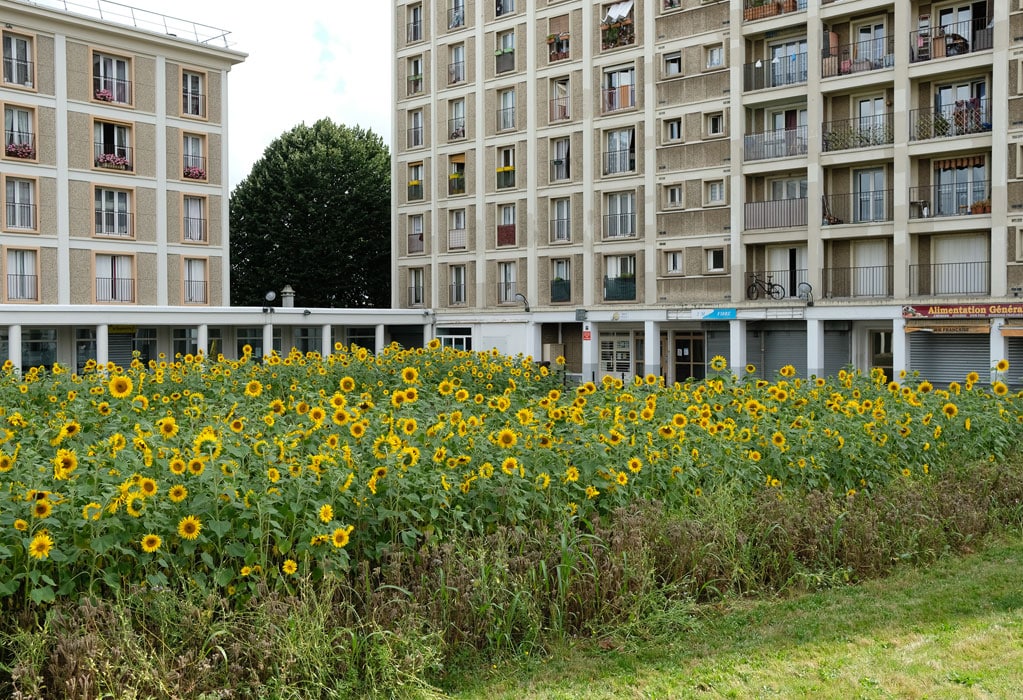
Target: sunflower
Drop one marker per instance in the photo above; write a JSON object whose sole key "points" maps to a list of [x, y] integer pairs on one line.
{"points": [[103, 408], [445, 388], [196, 466], [177, 493], [148, 487], [718, 363], [151, 543], [120, 386], [999, 388], [40, 546], [177, 466], [341, 535], [635, 465], [1002, 365], [347, 384], [778, 439], [237, 425], [751, 368], [622, 478], [20, 525], [592, 492], [543, 481], [289, 567], [410, 375], [64, 463], [42, 508], [189, 527], [787, 371], [380, 472], [571, 474], [507, 438], [950, 410], [326, 513], [509, 466], [253, 388], [754, 455]]}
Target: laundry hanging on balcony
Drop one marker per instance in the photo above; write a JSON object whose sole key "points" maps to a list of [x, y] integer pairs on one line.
{"points": [[618, 12]]}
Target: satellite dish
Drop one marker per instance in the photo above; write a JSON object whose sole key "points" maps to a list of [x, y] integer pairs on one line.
{"points": [[270, 296]]}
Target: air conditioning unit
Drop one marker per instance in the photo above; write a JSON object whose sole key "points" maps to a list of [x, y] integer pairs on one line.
{"points": [[551, 351]]}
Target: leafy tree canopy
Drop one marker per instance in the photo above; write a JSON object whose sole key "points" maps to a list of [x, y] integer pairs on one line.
{"points": [[315, 213]]}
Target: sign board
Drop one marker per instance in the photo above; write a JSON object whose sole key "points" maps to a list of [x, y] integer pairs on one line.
{"points": [[587, 335], [714, 314], [961, 310], [122, 330]]}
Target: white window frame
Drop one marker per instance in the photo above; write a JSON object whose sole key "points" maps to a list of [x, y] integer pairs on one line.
{"points": [[416, 136], [715, 56], [113, 212], [618, 159], [114, 267], [710, 254], [561, 219], [506, 118], [417, 286], [507, 273], [20, 204], [22, 274], [621, 214], [503, 7], [195, 271], [561, 268], [193, 101], [18, 67], [618, 266], [193, 153], [674, 196], [672, 66], [674, 262], [673, 130], [714, 123], [714, 193], [113, 74], [458, 284], [194, 221]]}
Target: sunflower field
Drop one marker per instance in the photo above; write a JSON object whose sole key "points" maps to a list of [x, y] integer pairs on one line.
{"points": [[236, 476]]}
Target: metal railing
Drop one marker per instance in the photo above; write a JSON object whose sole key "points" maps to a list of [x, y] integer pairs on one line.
{"points": [[505, 118], [415, 191], [858, 132], [115, 289], [561, 290], [456, 128], [456, 294], [621, 225], [864, 281], [506, 292], [456, 184], [964, 278], [560, 169], [193, 167], [415, 296], [615, 34], [193, 103], [776, 72], [457, 238], [762, 9], [18, 72], [616, 98], [619, 288], [195, 292], [621, 161], [414, 85], [561, 230], [505, 178], [415, 137], [22, 287], [859, 56], [21, 215], [195, 230], [505, 62], [957, 199], [456, 72], [953, 39], [776, 213], [560, 109], [415, 243], [414, 31], [20, 144], [111, 89], [858, 207], [114, 223], [781, 143], [789, 279], [112, 157], [456, 17], [505, 234], [963, 117]]}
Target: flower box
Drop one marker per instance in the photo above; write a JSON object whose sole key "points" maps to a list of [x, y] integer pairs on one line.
{"points": [[20, 150], [104, 96], [112, 160], [195, 173]]}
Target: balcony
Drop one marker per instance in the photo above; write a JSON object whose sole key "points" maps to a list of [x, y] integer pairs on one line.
{"points": [[456, 17], [859, 132], [714, 288], [456, 72], [456, 183], [781, 143], [20, 144], [194, 168], [21, 215], [506, 119], [505, 234], [620, 225], [561, 230], [560, 169], [114, 223], [415, 243], [777, 72], [618, 33], [618, 162], [775, 213], [22, 287], [672, 4], [964, 117], [456, 128], [195, 230], [619, 289], [561, 290], [414, 137], [957, 199], [789, 280], [868, 206], [558, 47], [456, 295], [504, 60], [506, 177], [112, 157], [115, 289], [195, 292], [457, 239], [616, 98], [850, 282], [414, 31], [954, 39], [415, 296], [753, 10], [859, 57], [111, 90], [560, 109], [193, 104], [415, 190], [414, 85], [958, 278]]}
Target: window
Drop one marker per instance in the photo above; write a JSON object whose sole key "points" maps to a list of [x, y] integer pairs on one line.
{"points": [[415, 75], [673, 129], [506, 167], [113, 149], [715, 56], [415, 181], [958, 184], [715, 259], [870, 197], [457, 284], [620, 220], [560, 100], [620, 151], [505, 52], [673, 196], [561, 162], [619, 90], [504, 7], [456, 173], [456, 68], [506, 227], [456, 14], [715, 124], [561, 280], [193, 157], [713, 192], [558, 38], [20, 204], [619, 277], [459, 338], [415, 128], [415, 23], [194, 219], [193, 99], [672, 64], [561, 220], [959, 264], [788, 188], [113, 213], [616, 27], [506, 112], [111, 78], [19, 132], [115, 278], [456, 120], [506, 282], [22, 275], [19, 68], [415, 233], [788, 63], [673, 262], [456, 230], [195, 291], [416, 288]]}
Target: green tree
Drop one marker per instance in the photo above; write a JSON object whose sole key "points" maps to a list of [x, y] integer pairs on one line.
{"points": [[315, 213]]}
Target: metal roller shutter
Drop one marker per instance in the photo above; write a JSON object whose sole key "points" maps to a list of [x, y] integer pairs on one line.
{"points": [[717, 344], [784, 348], [945, 358], [837, 353], [1014, 352], [119, 348]]}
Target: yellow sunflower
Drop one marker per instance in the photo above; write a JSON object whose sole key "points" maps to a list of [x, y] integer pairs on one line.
{"points": [[507, 438], [341, 535], [177, 493], [120, 386], [326, 513], [289, 567], [189, 527], [40, 546], [151, 543]]}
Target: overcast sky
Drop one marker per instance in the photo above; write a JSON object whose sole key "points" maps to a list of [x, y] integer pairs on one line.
{"points": [[308, 59]]}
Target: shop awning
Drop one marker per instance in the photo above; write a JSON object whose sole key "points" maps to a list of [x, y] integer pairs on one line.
{"points": [[952, 327]]}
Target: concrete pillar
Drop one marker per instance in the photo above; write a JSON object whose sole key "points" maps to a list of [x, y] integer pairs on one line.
{"points": [[14, 346], [533, 347], [380, 338], [326, 341], [999, 345], [268, 339], [202, 339], [814, 347], [900, 348], [102, 344], [591, 352], [737, 346], [652, 347]]}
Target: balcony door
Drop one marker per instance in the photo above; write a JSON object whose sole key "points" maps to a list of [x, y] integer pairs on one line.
{"points": [[870, 42], [788, 137], [959, 183], [787, 266], [960, 264], [870, 271], [870, 195], [788, 63]]}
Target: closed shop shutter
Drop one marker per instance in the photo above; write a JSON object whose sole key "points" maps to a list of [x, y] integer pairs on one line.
{"points": [[837, 352], [942, 358], [717, 344], [1014, 354], [784, 348], [119, 347]]}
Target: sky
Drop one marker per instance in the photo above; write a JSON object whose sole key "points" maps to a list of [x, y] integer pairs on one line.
{"points": [[307, 59]]}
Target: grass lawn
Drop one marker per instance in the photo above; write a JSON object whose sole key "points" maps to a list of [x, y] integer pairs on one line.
{"points": [[952, 630]]}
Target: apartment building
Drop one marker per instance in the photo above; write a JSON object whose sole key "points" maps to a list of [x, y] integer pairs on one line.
{"points": [[640, 185]]}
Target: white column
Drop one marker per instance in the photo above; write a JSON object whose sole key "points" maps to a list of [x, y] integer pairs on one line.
{"points": [[380, 338], [533, 346], [202, 339], [268, 339], [14, 346], [900, 348], [737, 346], [814, 347], [326, 341], [999, 346], [591, 351], [652, 348], [102, 344]]}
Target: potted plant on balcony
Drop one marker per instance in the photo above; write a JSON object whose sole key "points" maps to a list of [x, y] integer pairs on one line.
{"points": [[20, 150], [981, 206], [941, 125], [104, 96]]}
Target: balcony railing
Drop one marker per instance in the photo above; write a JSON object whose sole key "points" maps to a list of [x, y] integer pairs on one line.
{"points": [[414, 85], [194, 167], [456, 294], [415, 243], [20, 144], [958, 199], [505, 234], [457, 239], [111, 89], [561, 290], [456, 72], [505, 61], [558, 49], [962, 278], [415, 137], [506, 292], [776, 213], [858, 207], [456, 17], [621, 225], [114, 223], [781, 143], [505, 177], [762, 9], [21, 215], [561, 230], [18, 71], [619, 288], [456, 128], [22, 287], [456, 183], [193, 104], [619, 33], [789, 279], [112, 157], [560, 169], [560, 109], [195, 292], [867, 281], [972, 116], [415, 296], [195, 230], [953, 39], [115, 289], [506, 118], [616, 98], [859, 132], [859, 56], [415, 190], [714, 288], [776, 72], [414, 31], [621, 161]]}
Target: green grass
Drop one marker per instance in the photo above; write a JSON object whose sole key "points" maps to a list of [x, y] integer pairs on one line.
{"points": [[951, 630]]}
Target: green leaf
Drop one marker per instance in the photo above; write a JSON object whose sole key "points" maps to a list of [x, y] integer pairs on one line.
{"points": [[158, 580], [223, 577], [207, 559], [9, 587], [220, 527], [42, 595]]}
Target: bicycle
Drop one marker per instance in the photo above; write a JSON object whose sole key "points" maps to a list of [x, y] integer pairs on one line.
{"points": [[767, 287]]}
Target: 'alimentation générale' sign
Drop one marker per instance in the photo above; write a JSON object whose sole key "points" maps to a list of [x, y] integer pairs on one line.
{"points": [[961, 310]]}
